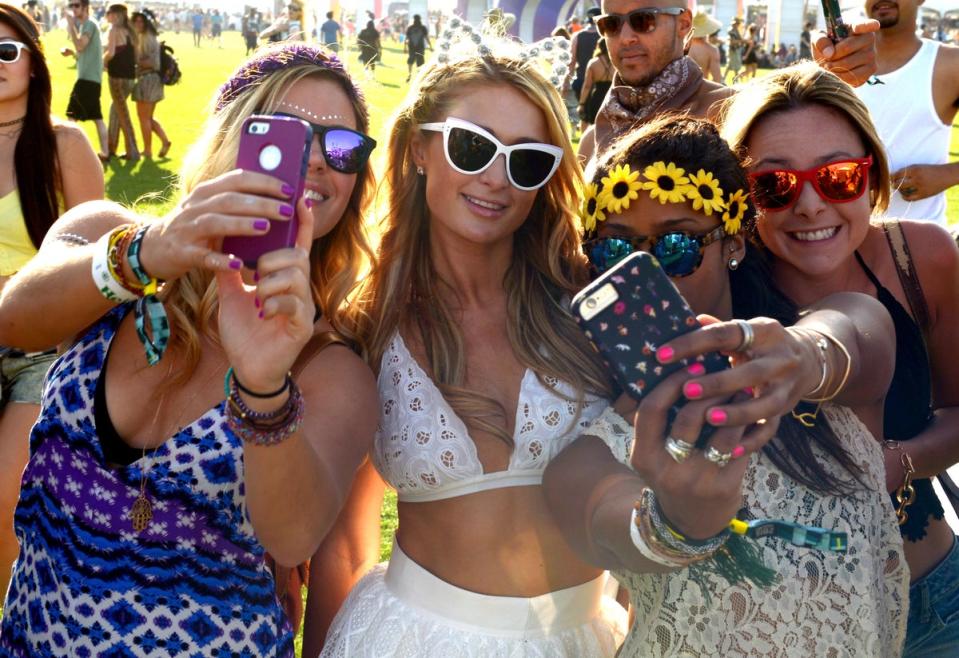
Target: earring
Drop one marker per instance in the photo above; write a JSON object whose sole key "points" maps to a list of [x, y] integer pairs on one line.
{"points": [[419, 170], [733, 264]]}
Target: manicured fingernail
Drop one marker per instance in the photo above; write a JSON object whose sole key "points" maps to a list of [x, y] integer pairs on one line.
{"points": [[693, 390], [286, 210], [738, 452], [665, 353], [717, 417], [696, 369], [256, 302], [749, 391], [261, 224], [287, 190], [260, 315], [236, 264], [309, 203], [828, 51], [256, 276]]}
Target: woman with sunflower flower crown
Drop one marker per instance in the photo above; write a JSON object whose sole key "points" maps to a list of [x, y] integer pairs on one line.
{"points": [[668, 517]]}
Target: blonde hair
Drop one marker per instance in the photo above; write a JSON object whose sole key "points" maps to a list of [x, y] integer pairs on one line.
{"points": [[798, 86], [404, 289], [336, 259]]}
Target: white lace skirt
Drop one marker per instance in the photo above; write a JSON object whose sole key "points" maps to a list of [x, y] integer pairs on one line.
{"points": [[401, 609]]}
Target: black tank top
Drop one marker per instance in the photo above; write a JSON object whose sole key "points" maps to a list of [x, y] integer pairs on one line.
{"points": [[908, 409], [123, 63], [586, 41]]}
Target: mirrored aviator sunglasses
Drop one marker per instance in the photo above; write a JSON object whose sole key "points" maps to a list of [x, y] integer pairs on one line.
{"points": [[345, 150], [10, 51], [841, 181], [470, 149], [680, 253]]}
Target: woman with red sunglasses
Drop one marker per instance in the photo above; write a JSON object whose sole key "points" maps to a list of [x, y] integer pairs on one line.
{"points": [[820, 176]]}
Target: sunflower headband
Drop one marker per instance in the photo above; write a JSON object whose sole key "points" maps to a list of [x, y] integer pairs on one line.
{"points": [[667, 183]]}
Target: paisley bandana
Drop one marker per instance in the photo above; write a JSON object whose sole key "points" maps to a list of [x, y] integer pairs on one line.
{"points": [[627, 106]]}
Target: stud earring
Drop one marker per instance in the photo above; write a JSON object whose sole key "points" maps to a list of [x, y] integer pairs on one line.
{"points": [[733, 264], [419, 170]]}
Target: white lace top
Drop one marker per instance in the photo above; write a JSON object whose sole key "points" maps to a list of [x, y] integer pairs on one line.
{"points": [[847, 605], [424, 450]]}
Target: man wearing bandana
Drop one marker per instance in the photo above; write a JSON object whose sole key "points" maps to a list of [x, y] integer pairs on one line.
{"points": [[653, 75]]}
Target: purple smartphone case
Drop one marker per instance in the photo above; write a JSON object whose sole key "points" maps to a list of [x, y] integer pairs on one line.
{"points": [[294, 138], [628, 313]]}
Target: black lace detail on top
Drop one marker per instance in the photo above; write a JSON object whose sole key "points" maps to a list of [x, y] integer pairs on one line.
{"points": [[908, 409]]}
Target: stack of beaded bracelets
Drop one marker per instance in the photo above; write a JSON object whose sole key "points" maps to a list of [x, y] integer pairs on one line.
{"points": [[658, 542], [121, 243], [262, 428]]}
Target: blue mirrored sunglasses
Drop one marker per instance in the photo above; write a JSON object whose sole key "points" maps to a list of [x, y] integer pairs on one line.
{"points": [[680, 253]]}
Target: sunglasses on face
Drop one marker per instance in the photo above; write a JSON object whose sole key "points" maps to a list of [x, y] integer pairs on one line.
{"points": [[680, 253], [10, 51], [471, 150], [74, 5], [640, 21], [344, 150], [836, 182]]}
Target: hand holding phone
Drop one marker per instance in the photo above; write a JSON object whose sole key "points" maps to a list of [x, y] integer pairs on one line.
{"points": [[278, 146], [836, 29]]}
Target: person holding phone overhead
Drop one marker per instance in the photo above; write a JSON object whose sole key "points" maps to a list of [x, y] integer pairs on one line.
{"points": [[820, 198], [189, 467], [483, 374], [46, 167], [644, 501]]}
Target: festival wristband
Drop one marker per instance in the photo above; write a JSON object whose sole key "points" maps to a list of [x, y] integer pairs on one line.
{"points": [[646, 551], [794, 533], [103, 277]]}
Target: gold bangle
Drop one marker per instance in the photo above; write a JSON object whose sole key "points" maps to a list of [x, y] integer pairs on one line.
{"points": [[845, 375]]}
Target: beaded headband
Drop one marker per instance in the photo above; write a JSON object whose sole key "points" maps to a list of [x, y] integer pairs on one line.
{"points": [[666, 183], [460, 40], [277, 57]]}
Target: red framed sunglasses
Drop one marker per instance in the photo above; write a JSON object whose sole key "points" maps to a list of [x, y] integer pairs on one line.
{"points": [[841, 181]]}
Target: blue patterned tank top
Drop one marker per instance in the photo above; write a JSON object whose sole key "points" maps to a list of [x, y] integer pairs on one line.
{"points": [[193, 583]]}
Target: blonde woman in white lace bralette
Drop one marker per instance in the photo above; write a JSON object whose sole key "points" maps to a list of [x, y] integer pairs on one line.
{"points": [[483, 377], [646, 503]]}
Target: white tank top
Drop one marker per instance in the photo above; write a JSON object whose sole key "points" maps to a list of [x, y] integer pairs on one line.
{"points": [[910, 128]]}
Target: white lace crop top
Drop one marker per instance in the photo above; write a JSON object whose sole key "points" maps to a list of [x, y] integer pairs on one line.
{"points": [[424, 451]]}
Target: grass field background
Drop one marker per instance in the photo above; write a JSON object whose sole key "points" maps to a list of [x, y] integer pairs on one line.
{"points": [[152, 183]]}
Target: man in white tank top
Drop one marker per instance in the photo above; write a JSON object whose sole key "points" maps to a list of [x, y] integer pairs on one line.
{"points": [[913, 100]]}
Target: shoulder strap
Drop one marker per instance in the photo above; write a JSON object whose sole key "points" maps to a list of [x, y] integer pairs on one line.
{"points": [[314, 346], [907, 272]]}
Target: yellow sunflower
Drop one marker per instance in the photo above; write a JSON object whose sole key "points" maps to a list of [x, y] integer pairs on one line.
{"points": [[619, 188], [666, 182], [735, 210], [705, 193], [592, 210]]}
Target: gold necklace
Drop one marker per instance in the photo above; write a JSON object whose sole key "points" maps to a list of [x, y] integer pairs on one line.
{"points": [[13, 122]]}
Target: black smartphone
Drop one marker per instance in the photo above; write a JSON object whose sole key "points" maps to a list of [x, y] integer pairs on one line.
{"points": [[628, 313], [835, 28]]}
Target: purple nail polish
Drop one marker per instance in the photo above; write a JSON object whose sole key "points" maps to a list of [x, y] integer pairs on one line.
{"points": [[236, 264], [256, 302], [260, 315], [286, 210], [287, 190], [261, 224], [256, 276], [309, 203]]}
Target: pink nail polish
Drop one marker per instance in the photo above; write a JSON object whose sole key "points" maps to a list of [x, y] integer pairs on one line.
{"points": [[749, 391], [717, 417], [693, 390], [738, 452], [236, 264], [696, 369], [260, 315], [665, 353]]}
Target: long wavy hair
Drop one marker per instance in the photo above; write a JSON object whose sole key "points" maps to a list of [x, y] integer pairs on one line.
{"points": [[35, 159], [404, 290], [695, 144], [798, 86], [337, 258]]}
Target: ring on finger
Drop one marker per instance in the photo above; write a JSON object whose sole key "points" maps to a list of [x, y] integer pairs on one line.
{"points": [[678, 449], [716, 457], [749, 336]]}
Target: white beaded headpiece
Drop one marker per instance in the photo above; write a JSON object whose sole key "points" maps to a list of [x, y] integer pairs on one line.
{"points": [[312, 115], [461, 40]]}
